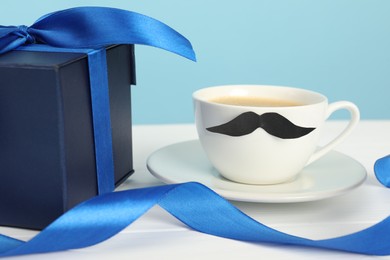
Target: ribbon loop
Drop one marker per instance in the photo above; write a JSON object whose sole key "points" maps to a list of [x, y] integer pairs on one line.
{"points": [[96, 27]]}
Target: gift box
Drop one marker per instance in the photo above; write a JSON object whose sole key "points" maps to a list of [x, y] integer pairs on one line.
{"points": [[47, 154], [65, 111]]}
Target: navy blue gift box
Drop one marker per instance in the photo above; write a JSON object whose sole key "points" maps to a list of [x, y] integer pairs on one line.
{"points": [[47, 152], [65, 107]]}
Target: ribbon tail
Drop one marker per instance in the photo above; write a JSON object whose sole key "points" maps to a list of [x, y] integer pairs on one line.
{"points": [[92, 221], [92, 27], [192, 203], [205, 211]]}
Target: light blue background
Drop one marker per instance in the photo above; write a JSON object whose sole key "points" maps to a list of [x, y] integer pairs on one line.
{"points": [[338, 47]]}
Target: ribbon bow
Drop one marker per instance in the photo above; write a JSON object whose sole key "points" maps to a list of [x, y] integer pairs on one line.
{"points": [[94, 29]]}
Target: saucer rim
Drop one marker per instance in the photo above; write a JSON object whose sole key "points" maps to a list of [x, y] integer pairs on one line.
{"points": [[288, 197]]}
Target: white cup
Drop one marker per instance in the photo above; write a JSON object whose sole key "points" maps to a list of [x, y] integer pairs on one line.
{"points": [[265, 144]]}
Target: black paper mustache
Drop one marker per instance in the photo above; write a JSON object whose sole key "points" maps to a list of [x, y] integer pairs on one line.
{"points": [[273, 123]]}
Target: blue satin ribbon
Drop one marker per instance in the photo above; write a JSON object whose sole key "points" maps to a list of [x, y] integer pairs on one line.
{"points": [[197, 206], [100, 101], [192, 203]]}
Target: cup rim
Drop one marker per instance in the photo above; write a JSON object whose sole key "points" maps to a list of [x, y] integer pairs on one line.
{"points": [[316, 97]]}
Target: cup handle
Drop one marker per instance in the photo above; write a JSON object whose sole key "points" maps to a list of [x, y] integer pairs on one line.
{"points": [[355, 116]]}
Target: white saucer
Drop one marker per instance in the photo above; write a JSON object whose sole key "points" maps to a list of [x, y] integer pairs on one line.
{"points": [[332, 175]]}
